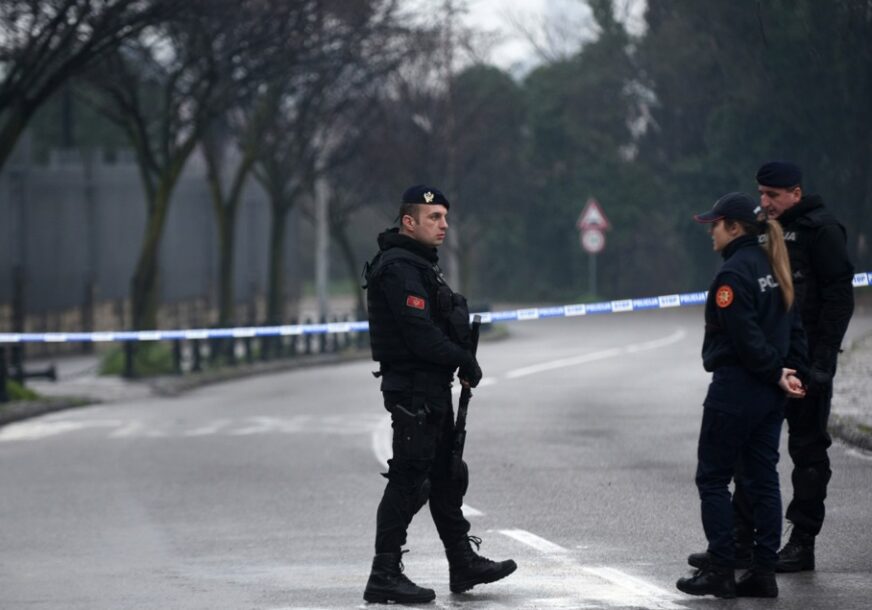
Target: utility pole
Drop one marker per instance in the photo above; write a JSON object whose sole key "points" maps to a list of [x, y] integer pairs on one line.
{"points": [[452, 260], [322, 246]]}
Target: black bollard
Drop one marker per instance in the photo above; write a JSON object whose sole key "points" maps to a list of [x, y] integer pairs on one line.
{"points": [[346, 336], [4, 395], [197, 364], [249, 353], [293, 341], [177, 356], [129, 353], [307, 338]]}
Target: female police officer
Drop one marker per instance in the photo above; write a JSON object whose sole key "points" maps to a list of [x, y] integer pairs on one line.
{"points": [[754, 346]]}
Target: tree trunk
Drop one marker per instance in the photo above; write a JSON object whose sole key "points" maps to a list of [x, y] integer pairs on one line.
{"points": [[144, 289], [226, 248], [351, 264], [275, 289], [11, 130]]}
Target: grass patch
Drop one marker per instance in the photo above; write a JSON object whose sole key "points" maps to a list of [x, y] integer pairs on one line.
{"points": [[16, 391], [150, 359]]}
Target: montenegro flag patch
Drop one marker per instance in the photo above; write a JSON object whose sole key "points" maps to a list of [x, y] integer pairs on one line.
{"points": [[415, 302], [724, 296]]}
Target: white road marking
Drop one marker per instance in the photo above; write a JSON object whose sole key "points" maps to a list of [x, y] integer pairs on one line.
{"points": [[532, 540], [633, 348], [635, 585], [210, 428], [622, 590], [38, 429]]}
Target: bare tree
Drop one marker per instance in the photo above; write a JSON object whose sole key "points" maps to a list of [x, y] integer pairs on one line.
{"points": [[324, 109], [44, 43], [163, 89]]}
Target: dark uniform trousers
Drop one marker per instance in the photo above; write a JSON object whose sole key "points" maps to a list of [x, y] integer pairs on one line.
{"points": [[807, 442], [420, 469], [748, 435]]}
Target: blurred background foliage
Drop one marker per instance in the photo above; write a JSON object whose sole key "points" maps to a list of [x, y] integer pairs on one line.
{"points": [[654, 124]]}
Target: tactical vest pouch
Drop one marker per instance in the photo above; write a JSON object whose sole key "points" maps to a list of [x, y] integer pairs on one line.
{"points": [[458, 321]]}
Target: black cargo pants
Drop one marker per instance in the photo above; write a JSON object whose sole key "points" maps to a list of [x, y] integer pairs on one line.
{"points": [[420, 469]]}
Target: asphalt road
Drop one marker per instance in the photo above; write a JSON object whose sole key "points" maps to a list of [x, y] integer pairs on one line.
{"points": [[261, 493]]}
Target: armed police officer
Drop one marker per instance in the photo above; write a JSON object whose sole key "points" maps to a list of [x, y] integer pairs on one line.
{"points": [[420, 335]]}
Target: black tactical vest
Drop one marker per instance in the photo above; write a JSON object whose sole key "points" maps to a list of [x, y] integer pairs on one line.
{"points": [[449, 310]]}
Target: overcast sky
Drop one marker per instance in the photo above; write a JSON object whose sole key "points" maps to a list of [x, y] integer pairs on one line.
{"points": [[525, 32]]}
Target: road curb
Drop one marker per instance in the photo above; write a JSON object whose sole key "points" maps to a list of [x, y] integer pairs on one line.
{"points": [[175, 385], [851, 393], [849, 430], [25, 409]]}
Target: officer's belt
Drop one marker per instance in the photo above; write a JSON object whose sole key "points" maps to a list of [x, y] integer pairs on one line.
{"points": [[425, 378]]}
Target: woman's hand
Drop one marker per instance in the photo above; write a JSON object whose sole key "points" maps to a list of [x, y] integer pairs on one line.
{"points": [[791, 384]]}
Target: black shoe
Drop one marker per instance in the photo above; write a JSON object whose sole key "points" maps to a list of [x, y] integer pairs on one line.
{"points": [[797, 555], [710, 580], [387, 583], [757, 583], [467, 568], [744, 556]]}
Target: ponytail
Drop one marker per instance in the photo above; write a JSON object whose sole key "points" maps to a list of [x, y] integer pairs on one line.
{"points": [[776, 250], [772, 240]]}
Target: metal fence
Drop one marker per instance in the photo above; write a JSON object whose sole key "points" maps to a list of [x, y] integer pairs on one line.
{"points": [[70, 234]]}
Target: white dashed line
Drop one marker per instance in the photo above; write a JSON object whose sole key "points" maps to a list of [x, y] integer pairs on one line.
{"points": [[633, 348], [532, 540]]}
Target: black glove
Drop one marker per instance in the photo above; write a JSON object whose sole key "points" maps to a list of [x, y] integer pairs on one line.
{"points": [[818, 379], [470, 372]]}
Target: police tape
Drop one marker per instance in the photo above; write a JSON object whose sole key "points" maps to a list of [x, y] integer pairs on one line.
{"points": [[517, 315]]}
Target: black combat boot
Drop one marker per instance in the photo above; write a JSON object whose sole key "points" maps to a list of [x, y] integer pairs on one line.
{"points": [[757, 582], [387, 583], [798, 554], [744, 555], [710, 580], [467, 568]]}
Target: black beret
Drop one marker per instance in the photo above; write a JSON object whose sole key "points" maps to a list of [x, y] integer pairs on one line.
{"points": [[421, 193], [779, 174], [735, 206]]}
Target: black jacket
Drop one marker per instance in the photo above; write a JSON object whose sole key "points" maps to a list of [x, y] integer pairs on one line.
{"points": [[745, 320], [415, 322], [822, 276]]}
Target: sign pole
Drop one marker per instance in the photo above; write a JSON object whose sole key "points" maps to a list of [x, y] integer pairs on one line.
{"points": [[593, 224], [591, 269]]}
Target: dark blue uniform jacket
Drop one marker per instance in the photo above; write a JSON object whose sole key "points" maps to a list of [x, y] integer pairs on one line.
{"points": [[749, 336]]}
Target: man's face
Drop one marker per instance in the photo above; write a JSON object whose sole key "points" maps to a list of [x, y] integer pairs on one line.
{"points": [[430, 226], [776, 200]]}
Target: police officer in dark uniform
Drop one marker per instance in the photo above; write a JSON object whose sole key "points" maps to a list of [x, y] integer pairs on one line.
{"points": [[419, 331], [755, 347], [822, 275]]}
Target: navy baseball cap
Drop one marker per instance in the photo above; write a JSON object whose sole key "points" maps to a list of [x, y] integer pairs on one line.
{"points": [[735, 206], [779, 174], [421, 193]]}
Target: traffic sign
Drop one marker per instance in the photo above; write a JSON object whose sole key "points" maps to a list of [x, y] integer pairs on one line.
{"points": [[593, 240], [592, 217]]}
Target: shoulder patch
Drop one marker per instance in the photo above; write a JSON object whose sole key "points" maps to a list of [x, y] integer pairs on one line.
{"points": [[724, 296], [415, 302]]}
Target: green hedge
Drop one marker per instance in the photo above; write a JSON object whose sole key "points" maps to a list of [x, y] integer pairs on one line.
{"points": [[149, 360], [16, 391]]}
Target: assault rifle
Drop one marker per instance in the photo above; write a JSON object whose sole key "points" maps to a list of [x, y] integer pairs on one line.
{"points": [[458, 468]]}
